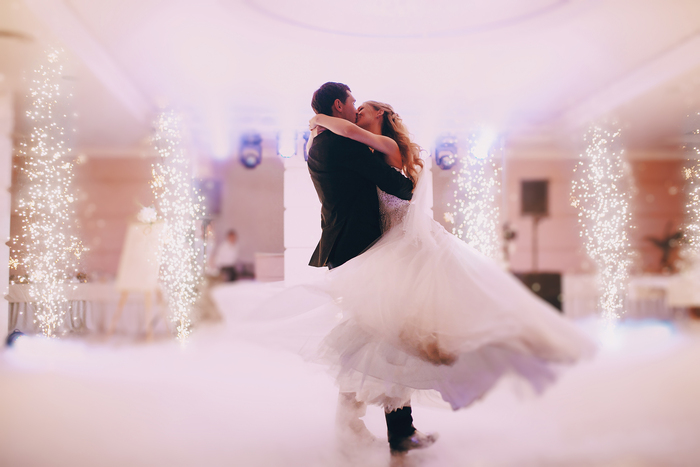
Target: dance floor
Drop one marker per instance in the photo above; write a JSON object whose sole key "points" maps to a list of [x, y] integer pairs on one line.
{"points": [[224, 400]]}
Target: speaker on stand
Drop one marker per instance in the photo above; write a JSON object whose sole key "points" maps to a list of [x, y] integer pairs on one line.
{"points": [[534, 196]]}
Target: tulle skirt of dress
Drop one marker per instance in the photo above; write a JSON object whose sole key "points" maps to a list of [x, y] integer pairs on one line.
{"points": [[423, 310]]}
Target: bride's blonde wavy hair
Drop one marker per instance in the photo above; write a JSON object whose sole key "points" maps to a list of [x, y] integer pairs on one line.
{"points": [[393, 127]]}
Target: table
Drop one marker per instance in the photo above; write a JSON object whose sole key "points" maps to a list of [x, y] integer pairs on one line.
{"points": [[89, 309]]}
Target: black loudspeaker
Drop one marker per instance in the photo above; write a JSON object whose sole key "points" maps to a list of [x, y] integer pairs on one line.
{"points": [[210, 190], [546, 285], [534, 198]]}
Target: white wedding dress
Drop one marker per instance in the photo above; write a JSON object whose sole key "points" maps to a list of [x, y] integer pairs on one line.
{"points": [[422, 310]]}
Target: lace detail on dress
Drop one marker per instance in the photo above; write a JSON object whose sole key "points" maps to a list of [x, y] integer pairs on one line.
{"points": [[392, 210]]}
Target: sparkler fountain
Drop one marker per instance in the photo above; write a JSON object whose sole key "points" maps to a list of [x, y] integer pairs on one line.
{"points": [[602, 194], [179, 206], [47, 249], [476, 215]]}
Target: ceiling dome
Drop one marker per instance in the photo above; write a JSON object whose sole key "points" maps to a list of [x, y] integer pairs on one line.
{"points": [[404, 18]]}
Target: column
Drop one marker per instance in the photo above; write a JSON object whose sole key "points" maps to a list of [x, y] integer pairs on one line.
{"points": [[302, 220], [6, 126]]}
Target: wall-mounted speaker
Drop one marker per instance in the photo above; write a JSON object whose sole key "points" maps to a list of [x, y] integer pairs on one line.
{"points": [[446, 152], [250, 152], [534, 198]]}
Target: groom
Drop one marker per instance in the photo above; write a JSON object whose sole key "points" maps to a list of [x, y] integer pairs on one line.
{"points": [[346, 175]]}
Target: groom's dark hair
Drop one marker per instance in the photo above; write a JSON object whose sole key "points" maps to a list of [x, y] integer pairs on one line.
{"points": [[325, 96]]}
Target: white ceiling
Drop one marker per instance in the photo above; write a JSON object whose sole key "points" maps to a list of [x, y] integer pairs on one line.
{"points": [[534, 69]]}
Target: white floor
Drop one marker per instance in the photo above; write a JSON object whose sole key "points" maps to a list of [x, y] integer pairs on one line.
{"points": [[221, 400]]}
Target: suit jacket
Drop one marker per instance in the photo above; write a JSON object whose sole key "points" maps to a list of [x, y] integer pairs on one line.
{"points": [[346, 175]]}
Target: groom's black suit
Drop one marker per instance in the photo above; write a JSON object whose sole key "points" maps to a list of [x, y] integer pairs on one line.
{"points": [[346, 175]]}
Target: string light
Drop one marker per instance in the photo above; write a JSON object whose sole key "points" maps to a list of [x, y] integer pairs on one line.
{"points": [[179, 206], [46, 247], [601, 191], [477, 196]]}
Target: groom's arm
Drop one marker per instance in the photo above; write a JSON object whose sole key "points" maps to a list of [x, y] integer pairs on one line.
{"points": [[358, 157]]}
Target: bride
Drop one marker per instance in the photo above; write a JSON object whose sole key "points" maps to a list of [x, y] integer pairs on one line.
{"points": [[422, 310]]}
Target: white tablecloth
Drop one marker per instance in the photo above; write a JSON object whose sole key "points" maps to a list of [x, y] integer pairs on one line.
{"points": [[90, 309]]}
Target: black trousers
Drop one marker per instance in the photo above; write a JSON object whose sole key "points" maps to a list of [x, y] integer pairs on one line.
{"points": [[230, 274], [399, 424]]}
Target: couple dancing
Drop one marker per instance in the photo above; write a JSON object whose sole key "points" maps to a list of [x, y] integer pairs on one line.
{"points": [[422, 310]]}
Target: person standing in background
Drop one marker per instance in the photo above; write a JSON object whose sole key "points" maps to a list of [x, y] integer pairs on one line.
{"points": [[226, 256]]}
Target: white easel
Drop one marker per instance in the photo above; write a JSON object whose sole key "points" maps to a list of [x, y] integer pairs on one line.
{"points": [[139, 266]]}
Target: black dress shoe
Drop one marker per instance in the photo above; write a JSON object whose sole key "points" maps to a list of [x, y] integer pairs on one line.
{"points": [[417, 440]]}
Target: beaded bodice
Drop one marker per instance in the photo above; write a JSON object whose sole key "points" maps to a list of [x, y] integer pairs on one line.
{"points": [[392, 210]]}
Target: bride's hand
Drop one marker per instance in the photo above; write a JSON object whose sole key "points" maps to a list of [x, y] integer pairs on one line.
{"points": [[317, 130], [313, 123]]}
